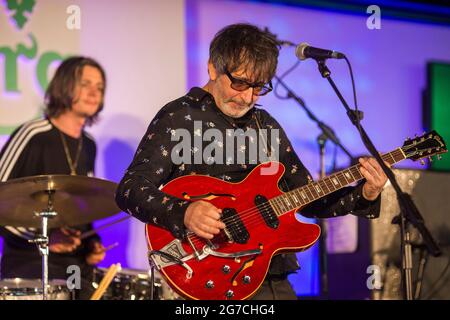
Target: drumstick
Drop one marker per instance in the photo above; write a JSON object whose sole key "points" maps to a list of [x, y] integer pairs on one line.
{"points": [[113, 269], [112, 246], [99, 291], [89, 233], [105, 281]]}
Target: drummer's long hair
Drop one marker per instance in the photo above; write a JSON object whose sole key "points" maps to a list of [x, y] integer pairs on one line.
{"points": [[59, 95]]}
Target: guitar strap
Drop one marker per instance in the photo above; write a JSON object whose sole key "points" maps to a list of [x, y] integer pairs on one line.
{"points": [[268, 147]]}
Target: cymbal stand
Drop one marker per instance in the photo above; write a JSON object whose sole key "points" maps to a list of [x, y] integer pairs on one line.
{"points": [[42, 241]]}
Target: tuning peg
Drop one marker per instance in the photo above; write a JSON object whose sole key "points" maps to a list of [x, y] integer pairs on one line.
{"points": [[422, 162], [430, 158]]}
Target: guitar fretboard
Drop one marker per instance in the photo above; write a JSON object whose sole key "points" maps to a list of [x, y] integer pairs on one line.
{"points": [[304, 195]]}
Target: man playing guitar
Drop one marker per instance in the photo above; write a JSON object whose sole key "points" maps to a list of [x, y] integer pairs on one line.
{"points": [[196, 135]]}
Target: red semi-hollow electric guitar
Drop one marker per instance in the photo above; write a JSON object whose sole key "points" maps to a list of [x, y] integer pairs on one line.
{"points": [[260, 222]]}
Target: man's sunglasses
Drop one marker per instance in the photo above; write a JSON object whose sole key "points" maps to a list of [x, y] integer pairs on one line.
{"points": [[259, 89]]}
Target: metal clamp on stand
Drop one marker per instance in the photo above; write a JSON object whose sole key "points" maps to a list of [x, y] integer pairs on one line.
{"points": [[42, 240], [152, 278]]}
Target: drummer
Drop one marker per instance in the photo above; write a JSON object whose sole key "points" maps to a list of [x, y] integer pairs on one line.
{"points": [[56, 144]]}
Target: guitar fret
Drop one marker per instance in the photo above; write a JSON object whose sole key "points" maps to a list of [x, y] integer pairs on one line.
{"points": [[349, 176], [323, 184], [339, 179], [335, 181], [294, 196], [401, 155], [280, 207], [304, 195], [312, 191], [274, 207], [393, 159], [357, 174], [307, 193], [275, 203], [286, 198], [342, 179], [397, 155], [328, 184], [281, 204], [318, 188]]}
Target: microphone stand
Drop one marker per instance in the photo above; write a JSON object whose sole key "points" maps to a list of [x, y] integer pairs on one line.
{"points": [[323, 252], [326, 130], [327, 133], [408, 211]]}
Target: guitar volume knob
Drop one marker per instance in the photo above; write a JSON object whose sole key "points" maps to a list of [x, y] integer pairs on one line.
{"points": [[226, 269], [209, 284], [246, 279]]}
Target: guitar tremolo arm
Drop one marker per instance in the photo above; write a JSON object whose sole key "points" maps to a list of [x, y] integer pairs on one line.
{"points": [[209, 251]]}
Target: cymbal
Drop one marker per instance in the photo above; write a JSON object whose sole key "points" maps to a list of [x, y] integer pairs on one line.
{"points": [[76, 200]]}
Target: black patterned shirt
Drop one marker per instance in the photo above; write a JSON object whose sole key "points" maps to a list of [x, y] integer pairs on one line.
{"points": [[196, 113]]}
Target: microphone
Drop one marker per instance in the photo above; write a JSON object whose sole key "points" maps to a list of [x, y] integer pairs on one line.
{"points": [[304, 51]]}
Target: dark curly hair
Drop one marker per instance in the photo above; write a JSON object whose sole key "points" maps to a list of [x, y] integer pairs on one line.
{"points": [[245, 45], [59, 95]]}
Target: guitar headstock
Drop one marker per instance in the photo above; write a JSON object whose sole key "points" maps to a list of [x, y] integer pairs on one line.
{"points": [[427, 145]]}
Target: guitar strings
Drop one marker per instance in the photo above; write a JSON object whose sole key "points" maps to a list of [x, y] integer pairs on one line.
{"points": [[278, 201], [252, 215]]}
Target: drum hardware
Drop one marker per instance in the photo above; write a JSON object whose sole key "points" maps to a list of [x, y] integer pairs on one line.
{"points": [[42, 241], [69, 200], [77, 199], [152, 281], [133, 284], [31, 289]]}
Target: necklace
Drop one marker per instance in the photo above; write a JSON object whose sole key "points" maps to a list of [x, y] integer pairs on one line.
{"points": [[72, 164]]}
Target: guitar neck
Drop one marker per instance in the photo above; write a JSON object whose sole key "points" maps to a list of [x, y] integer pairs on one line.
{"points": [[304, 195]]}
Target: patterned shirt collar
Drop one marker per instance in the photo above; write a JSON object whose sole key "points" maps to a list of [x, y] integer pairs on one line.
{"points": [[198, 94]]}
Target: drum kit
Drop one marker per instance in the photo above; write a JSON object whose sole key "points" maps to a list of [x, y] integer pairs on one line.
{"points": [[131, 284], [55, 201]]}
